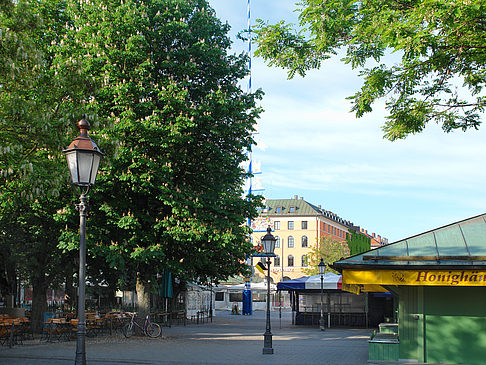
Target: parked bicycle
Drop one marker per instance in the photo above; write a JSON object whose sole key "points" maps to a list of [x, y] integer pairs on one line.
{"points": [[148, 329]]}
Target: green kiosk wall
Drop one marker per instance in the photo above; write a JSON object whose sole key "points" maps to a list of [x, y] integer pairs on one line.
{"points": [[443, 324]]}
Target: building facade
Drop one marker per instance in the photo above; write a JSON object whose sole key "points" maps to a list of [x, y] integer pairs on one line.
{"points": [[298, 225]]}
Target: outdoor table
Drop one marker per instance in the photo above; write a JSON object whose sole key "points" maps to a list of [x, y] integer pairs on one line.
{"points": [[89, 328], [64, 329], [115, 321], [7, 329], [57, 329]]}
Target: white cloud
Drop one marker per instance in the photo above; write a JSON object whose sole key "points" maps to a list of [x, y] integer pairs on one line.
{"points": [[316, 148]]}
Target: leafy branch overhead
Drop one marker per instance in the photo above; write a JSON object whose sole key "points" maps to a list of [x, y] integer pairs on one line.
{"points": [[440, 76]]}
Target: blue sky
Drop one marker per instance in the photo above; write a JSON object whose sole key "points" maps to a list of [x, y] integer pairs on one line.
{"points": [[315, 148]]}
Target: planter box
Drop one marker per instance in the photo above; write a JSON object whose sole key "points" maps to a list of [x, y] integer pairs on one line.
{"points": [[388, 327], [384, 346]]}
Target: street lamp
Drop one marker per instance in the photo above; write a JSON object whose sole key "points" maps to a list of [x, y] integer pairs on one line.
{"points": [[83, 158], [322, 271], [268, 243]]}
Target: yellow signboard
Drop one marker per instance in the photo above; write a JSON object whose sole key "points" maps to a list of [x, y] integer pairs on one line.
{"points": [[416, 277]]}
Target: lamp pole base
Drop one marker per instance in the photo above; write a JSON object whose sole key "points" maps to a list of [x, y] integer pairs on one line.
{"points": [[267, 343], [267, 351], [322, 324]]}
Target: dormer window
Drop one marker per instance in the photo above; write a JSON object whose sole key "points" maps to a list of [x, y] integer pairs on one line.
{"points": [[278, 210], [291, 209]]}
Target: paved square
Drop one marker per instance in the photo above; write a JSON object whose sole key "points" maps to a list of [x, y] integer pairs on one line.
{"points": [[229, 340]]}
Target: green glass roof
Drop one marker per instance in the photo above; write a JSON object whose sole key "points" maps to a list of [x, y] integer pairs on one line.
{"points": [[460, 244]]}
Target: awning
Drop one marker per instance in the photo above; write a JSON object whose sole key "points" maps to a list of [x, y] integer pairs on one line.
{"points": [[331, 281]]}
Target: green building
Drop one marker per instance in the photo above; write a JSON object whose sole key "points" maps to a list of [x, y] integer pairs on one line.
{"points": [[438, 279]]}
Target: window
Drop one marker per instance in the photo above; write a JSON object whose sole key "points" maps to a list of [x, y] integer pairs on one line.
{"points": [[277, 242], [236, 297], [291, 209], [276, 225], [278, 210], [304, 261], [304, 224], [291, 224], [291, 242], [305, 241], [258, 297], [276, 260], [290, 261], [219, 296]]}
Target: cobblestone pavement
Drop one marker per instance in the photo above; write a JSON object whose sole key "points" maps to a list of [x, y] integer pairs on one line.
{"points": [[229, 340]]}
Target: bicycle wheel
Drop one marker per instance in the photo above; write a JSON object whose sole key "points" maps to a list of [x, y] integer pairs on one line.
{"points": [[153, 330], [127, 329]]}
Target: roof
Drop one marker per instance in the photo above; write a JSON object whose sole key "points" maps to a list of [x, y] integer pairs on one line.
{"points": [[461, 244], [301, 207], [254, 286]]}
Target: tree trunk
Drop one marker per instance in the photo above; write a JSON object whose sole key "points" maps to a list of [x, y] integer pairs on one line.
{"points": [[39, 303], [143, 296]]}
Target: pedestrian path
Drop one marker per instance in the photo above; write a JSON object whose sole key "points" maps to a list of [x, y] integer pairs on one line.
{"points": [[229, 340]]}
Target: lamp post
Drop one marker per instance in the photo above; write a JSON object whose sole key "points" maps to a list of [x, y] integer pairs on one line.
{"points": [[322, 271], [268, 242], [83, 158]]}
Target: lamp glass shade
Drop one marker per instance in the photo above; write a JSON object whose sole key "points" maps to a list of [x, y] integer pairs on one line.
{"points": [[322, 267], [268, 242], [83, 166]]}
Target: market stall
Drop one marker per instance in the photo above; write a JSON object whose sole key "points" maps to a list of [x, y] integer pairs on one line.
{"points": [[341, 308]]}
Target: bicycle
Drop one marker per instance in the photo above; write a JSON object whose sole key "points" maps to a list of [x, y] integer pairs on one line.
{"points": [[148, 329]]}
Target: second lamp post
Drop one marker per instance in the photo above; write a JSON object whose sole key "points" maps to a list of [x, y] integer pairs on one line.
{"points": [[322, 271], [268, 243]]}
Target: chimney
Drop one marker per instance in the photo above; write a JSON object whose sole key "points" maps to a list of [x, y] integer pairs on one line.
{"points": [[296, 197], [319, 206], [301, 198], [374, 235]]}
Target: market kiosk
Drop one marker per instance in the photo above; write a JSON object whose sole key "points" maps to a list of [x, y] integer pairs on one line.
{"points": [[342, 307], [439, 279]]}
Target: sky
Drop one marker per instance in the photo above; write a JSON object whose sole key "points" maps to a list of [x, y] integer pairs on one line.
{"points": [[312, 146]]}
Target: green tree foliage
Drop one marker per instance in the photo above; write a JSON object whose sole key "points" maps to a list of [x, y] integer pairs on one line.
{"points": [[37, 99], [358, 242], [161, 92], [178, 125], [440, 42], [330, 250]]}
